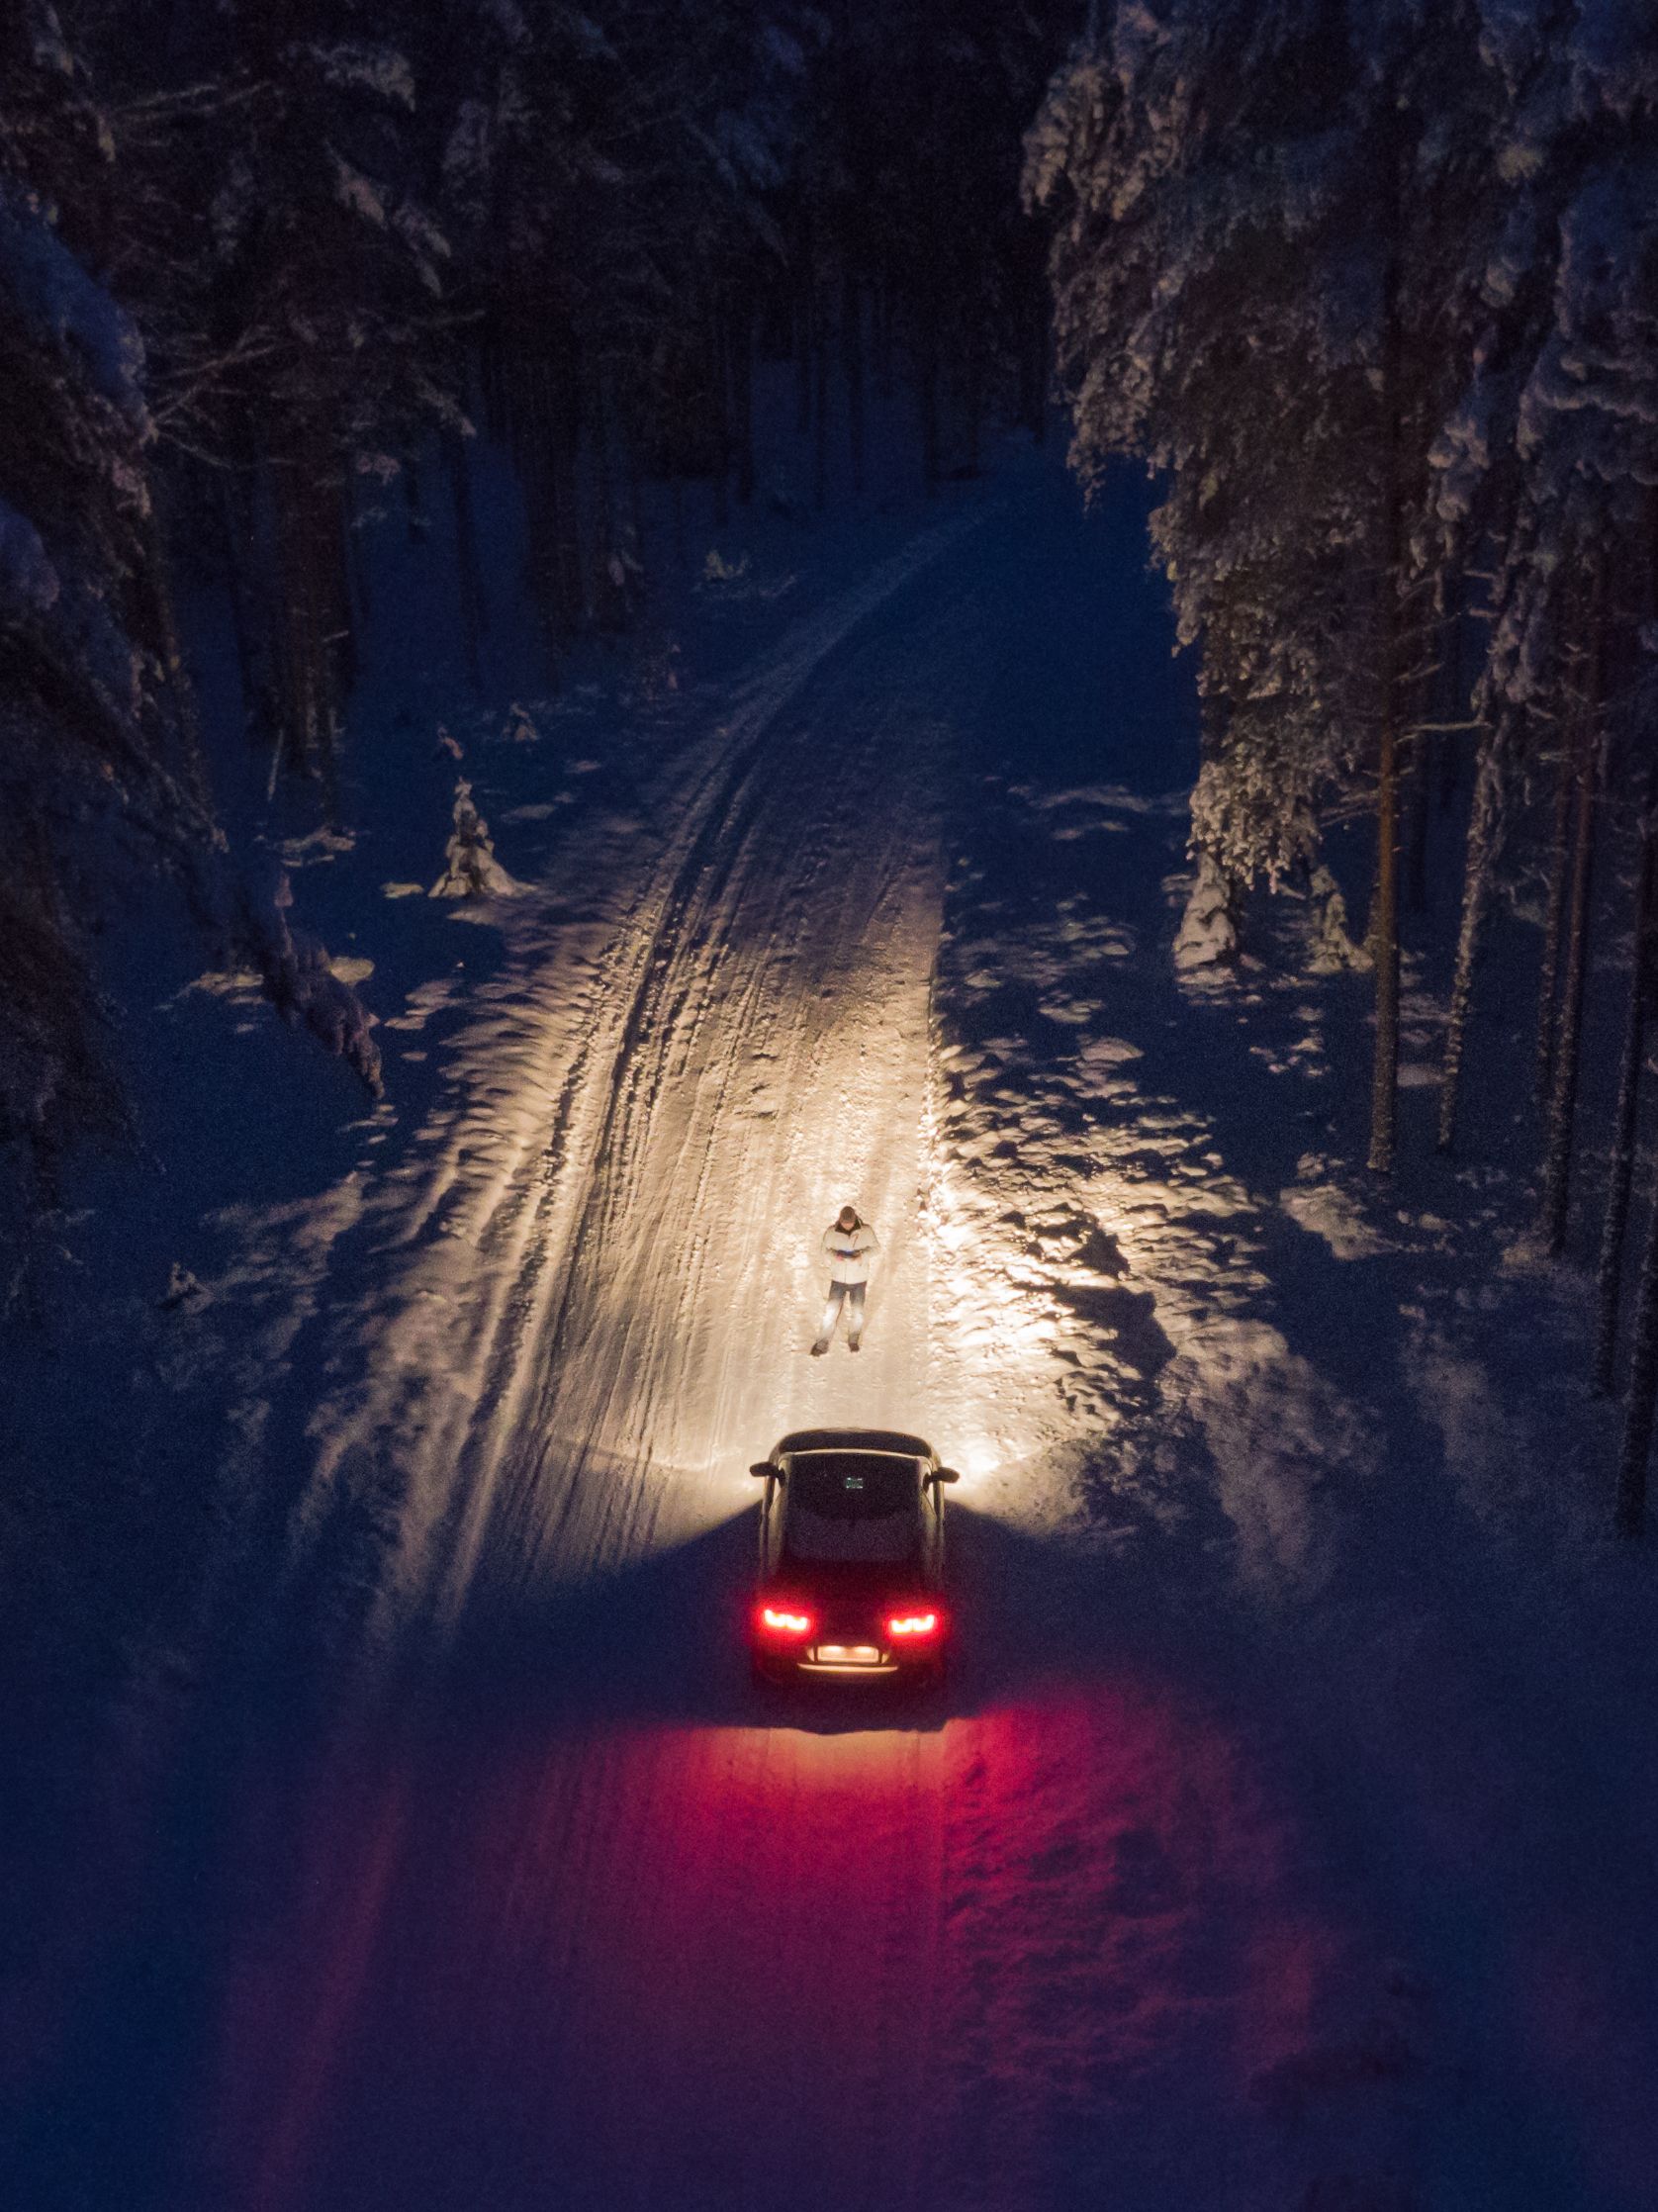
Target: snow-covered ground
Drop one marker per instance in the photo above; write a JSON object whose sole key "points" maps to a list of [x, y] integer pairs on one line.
{"points": [[1285, 1839]]}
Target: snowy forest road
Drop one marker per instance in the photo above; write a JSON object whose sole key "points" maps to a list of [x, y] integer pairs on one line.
{"points": [[535, 1903]]}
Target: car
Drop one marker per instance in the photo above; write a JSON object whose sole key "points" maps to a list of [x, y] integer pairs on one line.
{"points": [[851, 1581]]}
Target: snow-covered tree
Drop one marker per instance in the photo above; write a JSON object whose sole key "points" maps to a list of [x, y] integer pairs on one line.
{"points": [[1372, 289], [470, 867], [281, 254], [89, 726]]}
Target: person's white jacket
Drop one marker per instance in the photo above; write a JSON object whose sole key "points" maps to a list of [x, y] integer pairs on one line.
{"points": [[849, 1252]]}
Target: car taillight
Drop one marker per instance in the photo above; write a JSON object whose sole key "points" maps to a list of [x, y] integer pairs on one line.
{"points": [[783, 1620], [912, 1627]]}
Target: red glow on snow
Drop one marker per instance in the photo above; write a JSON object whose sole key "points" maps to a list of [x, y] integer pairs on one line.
{"points": [[593, 1938], [913, 1624]]}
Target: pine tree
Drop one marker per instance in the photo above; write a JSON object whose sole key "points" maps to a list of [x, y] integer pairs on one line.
{"points": [[90, 685]]}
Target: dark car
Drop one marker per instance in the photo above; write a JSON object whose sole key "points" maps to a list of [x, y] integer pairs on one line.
{"points": [[851, 1558]]}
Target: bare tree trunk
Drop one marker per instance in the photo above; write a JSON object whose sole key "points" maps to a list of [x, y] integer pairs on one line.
{"points": [[527, 384], [742, 397], [1620, 1166], [1416, 824], [607, 594], [414, 501], [883, 338], [820, 420], [1630, 1512], [1035, 364], [574, 605], [239, 540], [1560, 869], [635, 501], [852, 369], [975, 398], [1485, 822], [1384, 949], [171, 654], [719, 354], [307, 732], [929, 379], [805, 318], [1563, 1091], [474, 606], [1384, 912]]}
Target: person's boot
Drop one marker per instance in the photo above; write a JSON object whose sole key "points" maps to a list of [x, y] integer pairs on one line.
{"points": [[852, 1344], [820, 1347]]}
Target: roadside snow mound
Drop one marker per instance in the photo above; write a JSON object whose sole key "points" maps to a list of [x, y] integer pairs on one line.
{"points": [[302, 986]]}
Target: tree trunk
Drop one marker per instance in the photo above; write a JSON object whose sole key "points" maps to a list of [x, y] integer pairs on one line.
{"points": [[418, 521], [852, 369], [1415, 823], [236, 531], [1548, 980], [1384, 949], [719, 356], [474, 606], [1035, 363], [164, 624], [1485, 823], [804, 345], [820, 422], [883, 338], [527, 382], [1384, 912], [307, 548], [1563, 1089], [929, 382], [567, 425], [1620, 1166], [742, 397], [1630, 1513]]}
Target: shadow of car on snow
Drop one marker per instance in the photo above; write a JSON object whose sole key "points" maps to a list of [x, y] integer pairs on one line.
{"points": [[664, 1640]]}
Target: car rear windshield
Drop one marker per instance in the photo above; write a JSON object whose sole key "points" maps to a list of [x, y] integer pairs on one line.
{"points": [[850, 1507], [852, 1485]]}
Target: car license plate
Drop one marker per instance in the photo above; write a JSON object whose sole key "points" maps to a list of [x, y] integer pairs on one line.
{"points": [[849, 1656]]}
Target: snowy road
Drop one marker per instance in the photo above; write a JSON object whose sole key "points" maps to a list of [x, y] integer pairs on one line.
{"points": [[624, 1941], [544, 1909]]}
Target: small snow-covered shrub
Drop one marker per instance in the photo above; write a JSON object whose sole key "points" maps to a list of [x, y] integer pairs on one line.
{"points": [[1330, 941], [472, 870]]}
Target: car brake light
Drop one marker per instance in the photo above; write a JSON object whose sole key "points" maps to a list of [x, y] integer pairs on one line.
{"points": [[913, 1624], [783, 1620]]}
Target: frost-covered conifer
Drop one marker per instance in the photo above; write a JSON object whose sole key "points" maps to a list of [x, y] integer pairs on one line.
{"points": [[86, 728], [1373, 289], [471, 870]]}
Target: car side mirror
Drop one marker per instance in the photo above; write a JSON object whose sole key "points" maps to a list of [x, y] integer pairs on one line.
{"points": [[760, 1469], [946, 1474]]}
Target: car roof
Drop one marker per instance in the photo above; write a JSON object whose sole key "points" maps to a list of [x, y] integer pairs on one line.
{"points": [[890, 1441]]}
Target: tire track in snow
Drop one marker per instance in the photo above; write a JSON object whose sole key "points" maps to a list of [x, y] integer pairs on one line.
{"points": [[646, 1944], [433, 1406]]}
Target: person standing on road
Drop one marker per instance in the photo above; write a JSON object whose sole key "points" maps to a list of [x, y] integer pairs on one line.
{"points": [[850, 1244]]}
